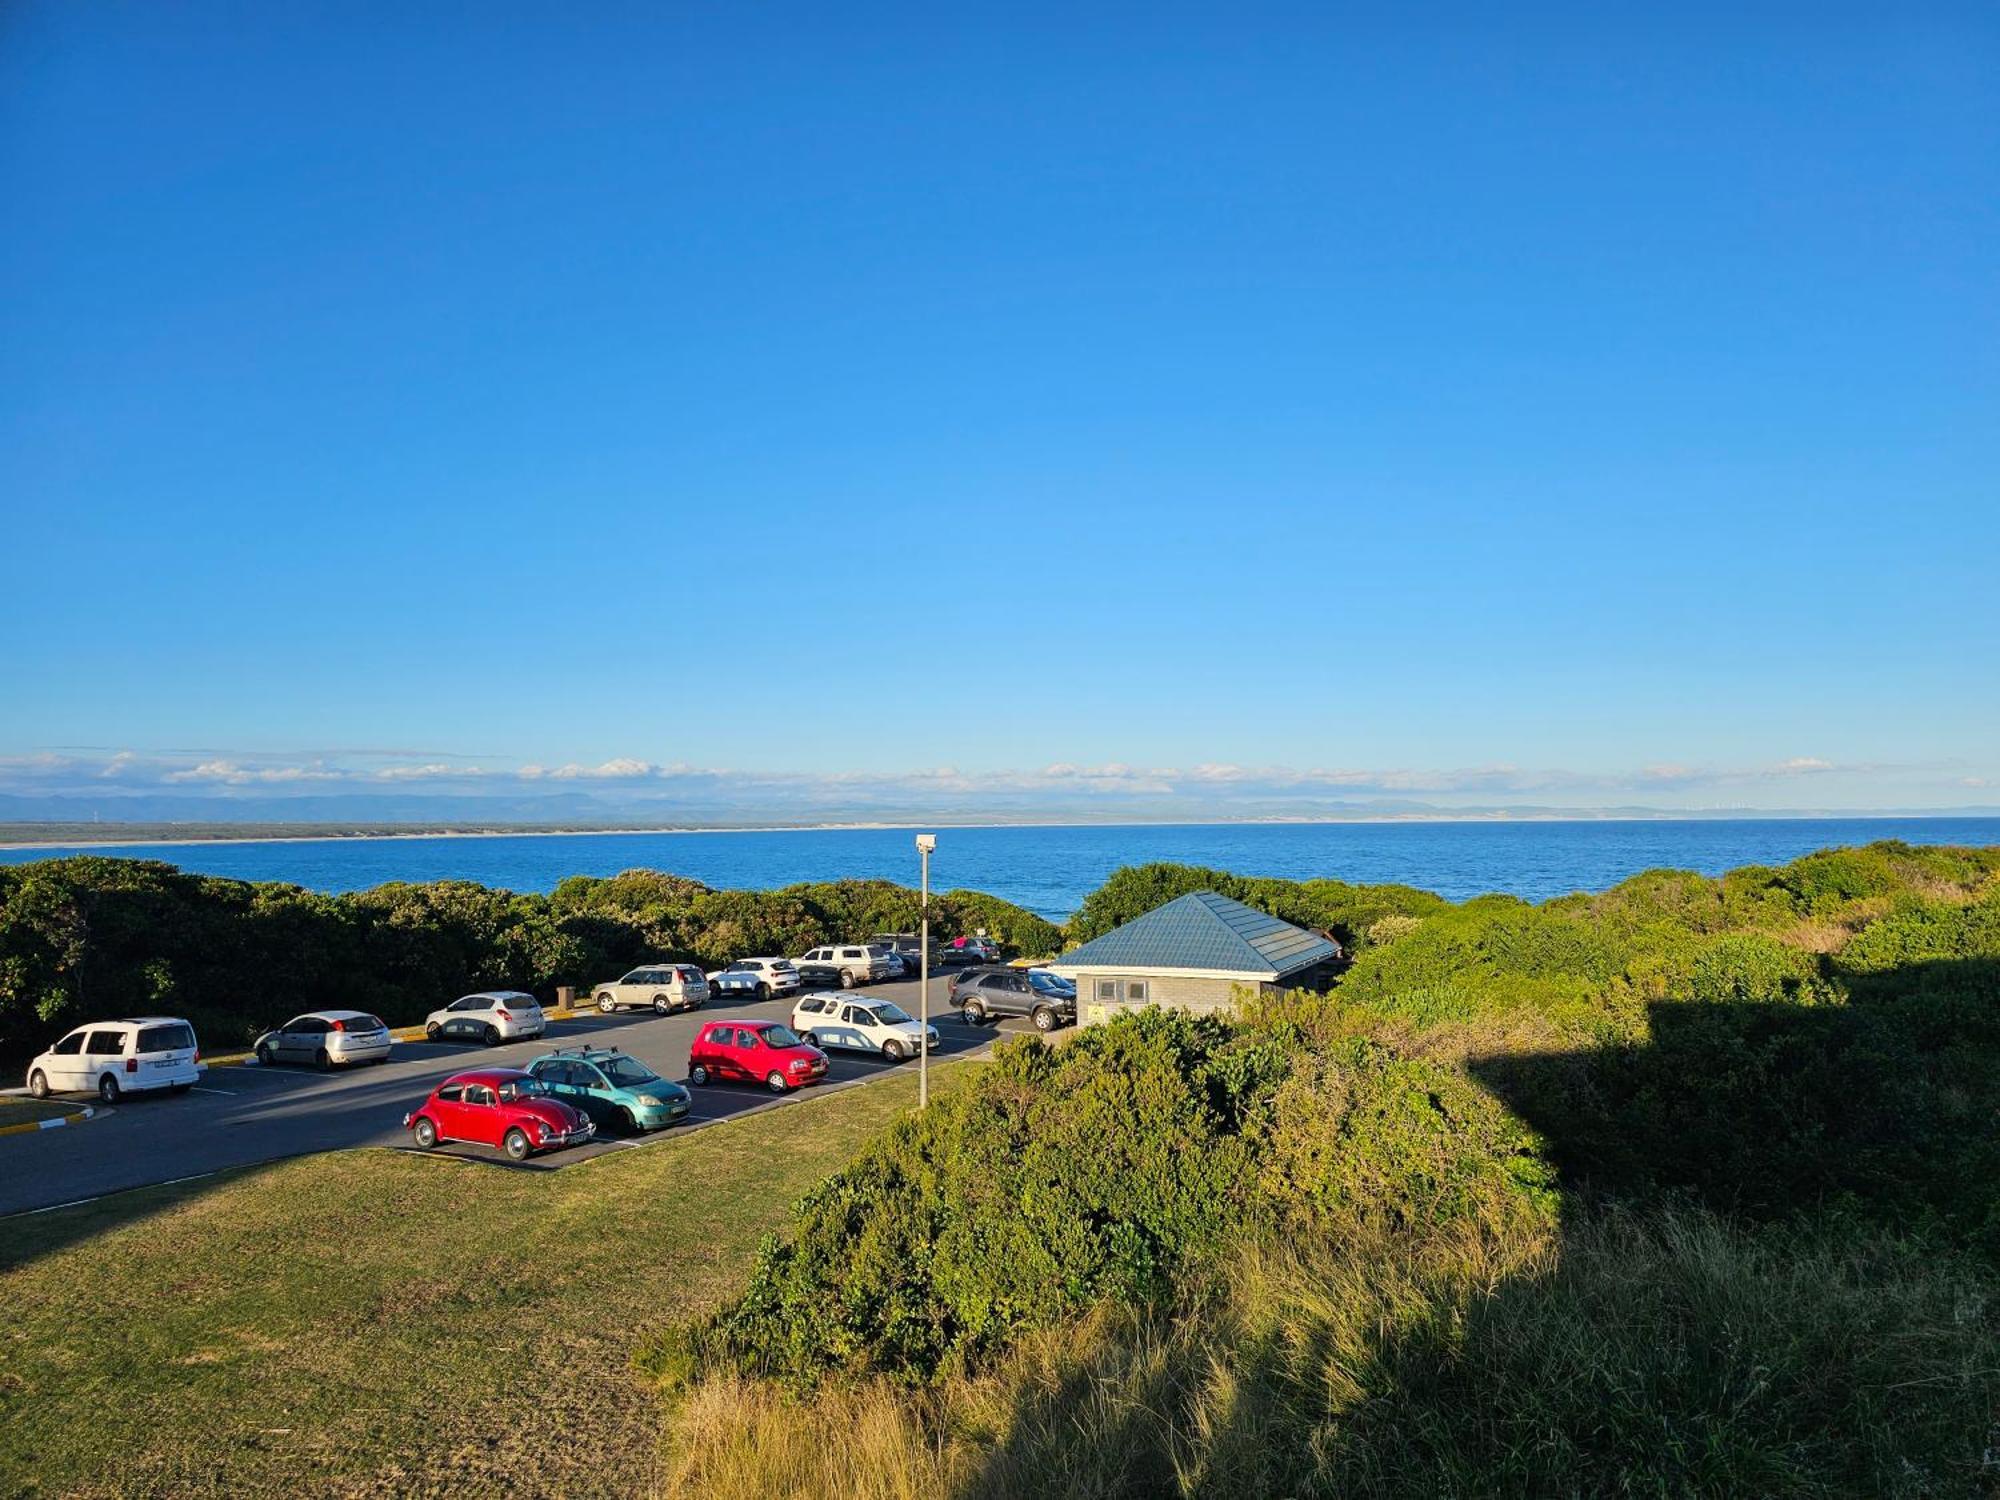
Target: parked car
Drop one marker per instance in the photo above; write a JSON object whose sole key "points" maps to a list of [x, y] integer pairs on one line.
{"points": [[324, 1038], [113, 1058], [861, 1025], [492, 1017], [665, 987], [503, 1107], [766, 1052], [762, 977], [897, 966], [907, 946], [968, 950], [1047, 1000], [858, 963], [612, 1087], [815, 975]]}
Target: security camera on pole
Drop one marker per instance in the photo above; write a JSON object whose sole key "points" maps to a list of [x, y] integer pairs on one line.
{"points": [[926, 842]]}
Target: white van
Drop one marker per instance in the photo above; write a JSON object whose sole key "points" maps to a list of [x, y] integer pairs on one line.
{"points": [[112, 1058]]}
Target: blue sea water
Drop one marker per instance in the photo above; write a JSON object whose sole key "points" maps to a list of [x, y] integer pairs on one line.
{"points": [[1051, 870]]}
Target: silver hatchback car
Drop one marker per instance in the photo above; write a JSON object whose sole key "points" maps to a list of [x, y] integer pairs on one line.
{"points": [[326, 1039]]}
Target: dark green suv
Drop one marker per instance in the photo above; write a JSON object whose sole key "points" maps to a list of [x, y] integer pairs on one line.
{"points": [[612, 1087]]}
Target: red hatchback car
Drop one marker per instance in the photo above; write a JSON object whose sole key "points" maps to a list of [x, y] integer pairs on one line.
{"points": [[501, 1107], [766, 1052]]}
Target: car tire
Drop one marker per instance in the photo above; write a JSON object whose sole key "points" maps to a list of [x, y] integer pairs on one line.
{"points": [[424, 1133], [975, 1013], [1045, 1019], [628, 1122], [431, 1030], [763, 990], [662, 1005], [322, 1061], [263, 1054], [515, 1143], [846, 980], [38, 1084], [492, 1036], [894, 1051], [606, 1005], [108, 1090], [697, 1074], [776, 1082]]}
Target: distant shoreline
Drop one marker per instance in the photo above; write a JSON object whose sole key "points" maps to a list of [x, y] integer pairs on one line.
{"points": [[154, 836]]}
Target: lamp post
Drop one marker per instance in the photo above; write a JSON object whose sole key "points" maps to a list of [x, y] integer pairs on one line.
{"points": [[926, 842]]}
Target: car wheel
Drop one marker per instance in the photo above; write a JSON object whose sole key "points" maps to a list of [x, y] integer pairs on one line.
{"points": [[763, 990], [975, 1013], [38, 1084], [263, 1054], [846, 980], [811, 1039], [515, 1144], [606, 1005], [697, 1074], [628, 1122], [107, 1089], [893, 1051], [776, 1083], [661, 1005], [492, 1036], [431, 1030], [321, 1060], [424, 1133]]}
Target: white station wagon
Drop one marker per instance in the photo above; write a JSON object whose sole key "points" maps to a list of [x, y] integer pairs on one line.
{"points": [[861, 1025], [113, 1058]]}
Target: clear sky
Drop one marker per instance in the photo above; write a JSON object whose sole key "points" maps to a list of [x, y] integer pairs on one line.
{"points": [[1527, 404]]}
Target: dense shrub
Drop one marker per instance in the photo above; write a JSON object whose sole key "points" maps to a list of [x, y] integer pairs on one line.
{"points": [[1348, 911], [90, 937]]}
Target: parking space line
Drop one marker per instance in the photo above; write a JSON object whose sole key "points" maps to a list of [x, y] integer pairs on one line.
{"points": [[227, 1093]]}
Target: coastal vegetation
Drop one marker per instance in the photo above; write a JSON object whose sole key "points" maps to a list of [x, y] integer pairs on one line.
{"points": [[88, 936], [1684, 1188]]}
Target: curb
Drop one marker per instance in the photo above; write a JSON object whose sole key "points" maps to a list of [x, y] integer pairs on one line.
{"points": [[89, 1113], [396, 1034]]}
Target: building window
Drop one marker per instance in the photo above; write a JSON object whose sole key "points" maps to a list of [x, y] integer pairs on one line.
{"points": [[1107, 990], [1135, 991]]}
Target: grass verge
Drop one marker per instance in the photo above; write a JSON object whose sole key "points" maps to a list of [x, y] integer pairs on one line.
{"points": [[372, 1322], [20, 1110]]}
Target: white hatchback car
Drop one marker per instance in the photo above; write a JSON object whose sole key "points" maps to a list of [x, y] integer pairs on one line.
{"points": [[112, 1058], [861, 1025], [492, 1017]]}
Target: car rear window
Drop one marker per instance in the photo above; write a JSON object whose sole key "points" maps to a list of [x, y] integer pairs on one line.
{"points": [[176, 1038], [366, 1023]]}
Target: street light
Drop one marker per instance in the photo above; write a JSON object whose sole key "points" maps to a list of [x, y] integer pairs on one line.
{"points": [[926, 842]]}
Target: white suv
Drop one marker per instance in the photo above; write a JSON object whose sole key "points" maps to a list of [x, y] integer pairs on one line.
{"points": [[858, 963], [111, 1058], [493, 1017]]}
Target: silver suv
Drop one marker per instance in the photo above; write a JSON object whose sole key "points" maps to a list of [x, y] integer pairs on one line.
{"points": [[664, 987]]}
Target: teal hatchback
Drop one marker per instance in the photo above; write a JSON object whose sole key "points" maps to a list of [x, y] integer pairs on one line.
{"points": [[612, 1087]]}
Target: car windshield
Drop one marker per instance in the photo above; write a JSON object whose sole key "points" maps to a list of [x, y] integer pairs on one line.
{"points": [[892, 1013], [1048, 984], [627, 1072], [779, 1036], [522, 1088]]}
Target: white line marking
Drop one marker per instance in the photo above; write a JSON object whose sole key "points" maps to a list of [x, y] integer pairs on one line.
{"points": [[226, 1093]]}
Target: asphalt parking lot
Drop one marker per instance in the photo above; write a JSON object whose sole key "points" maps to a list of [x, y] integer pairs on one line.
{"points": [[239, 1116]]}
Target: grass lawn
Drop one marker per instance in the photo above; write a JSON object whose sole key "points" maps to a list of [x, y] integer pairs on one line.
{"points": [[377, 1323], [19, 1110]]}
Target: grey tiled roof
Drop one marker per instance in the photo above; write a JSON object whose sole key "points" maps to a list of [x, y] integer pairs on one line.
{"points": [[1203, 930]]}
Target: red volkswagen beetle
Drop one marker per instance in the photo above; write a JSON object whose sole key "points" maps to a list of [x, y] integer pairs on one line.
{"points": [[766, 1052], [501, 1107]]}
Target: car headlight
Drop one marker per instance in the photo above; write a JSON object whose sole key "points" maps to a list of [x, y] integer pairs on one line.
{"points": [[801, 1062], [649, 1101]]}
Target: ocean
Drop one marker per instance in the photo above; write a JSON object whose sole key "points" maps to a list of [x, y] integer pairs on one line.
{"points": [[1051, 870]]}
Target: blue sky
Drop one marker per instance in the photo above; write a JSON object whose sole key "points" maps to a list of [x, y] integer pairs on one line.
{"points": [[1556, 406]]}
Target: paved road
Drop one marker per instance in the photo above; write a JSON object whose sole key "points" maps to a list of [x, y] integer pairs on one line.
{"points": [[237, 1116]]}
